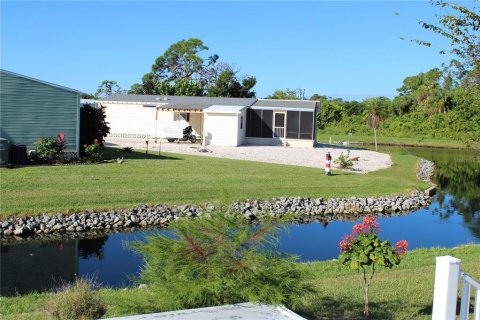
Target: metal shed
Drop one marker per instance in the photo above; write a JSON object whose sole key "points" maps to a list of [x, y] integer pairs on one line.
{"points": [[32, 108]]}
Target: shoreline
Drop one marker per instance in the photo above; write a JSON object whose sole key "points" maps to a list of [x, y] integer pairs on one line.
{"points": [[87, 224], [84, 224]]}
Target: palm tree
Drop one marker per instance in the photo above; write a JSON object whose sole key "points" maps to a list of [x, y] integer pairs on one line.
{"points": [[374, 114]]}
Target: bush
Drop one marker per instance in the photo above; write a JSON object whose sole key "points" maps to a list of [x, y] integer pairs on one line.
{"points": [[344, 162], [94, 152], [219, 260], [45, 149], [92, 125], [363, 250], [51, 149], [75, 301]]}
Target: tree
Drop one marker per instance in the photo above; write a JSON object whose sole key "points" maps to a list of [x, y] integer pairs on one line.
{"points": [[374, 114], [182, 71], [228, 85], [106, 88], [87, 96], [461, 26], [220, 259], [182, 61], [288, 94]]}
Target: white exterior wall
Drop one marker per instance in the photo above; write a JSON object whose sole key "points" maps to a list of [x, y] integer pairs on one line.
{"points": [[221, 129], [242, 124], [134, 121], [130, 121]]}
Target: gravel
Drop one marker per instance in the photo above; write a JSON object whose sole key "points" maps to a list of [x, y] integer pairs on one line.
{"points": [[306, 157]]}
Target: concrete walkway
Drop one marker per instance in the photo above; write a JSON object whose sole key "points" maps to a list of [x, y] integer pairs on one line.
{"points": [[245, 311]]}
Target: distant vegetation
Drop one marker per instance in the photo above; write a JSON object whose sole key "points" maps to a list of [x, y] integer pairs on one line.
{"points": [[432, 105]]}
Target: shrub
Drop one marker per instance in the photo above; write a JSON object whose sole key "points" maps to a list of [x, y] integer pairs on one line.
{"points": [[92, 125], [219, 260], [127, 149], [60, 146], [75, 301], [363, 250], [45, 149], [94, 152], [344, 162]]}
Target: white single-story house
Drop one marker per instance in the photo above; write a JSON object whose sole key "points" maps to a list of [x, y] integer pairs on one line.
{"points": [[215, 121]]}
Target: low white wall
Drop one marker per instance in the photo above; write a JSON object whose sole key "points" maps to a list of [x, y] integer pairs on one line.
{"points": [[278, 141]]}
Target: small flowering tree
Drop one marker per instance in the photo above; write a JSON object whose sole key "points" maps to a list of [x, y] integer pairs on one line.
{"points": [[363, 250]]}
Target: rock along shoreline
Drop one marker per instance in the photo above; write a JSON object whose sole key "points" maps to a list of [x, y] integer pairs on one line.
{"points": [[91, 223]]}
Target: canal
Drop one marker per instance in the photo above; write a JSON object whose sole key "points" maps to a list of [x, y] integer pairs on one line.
{"points": [[451, 220]]}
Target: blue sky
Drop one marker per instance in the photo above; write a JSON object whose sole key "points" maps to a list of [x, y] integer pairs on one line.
{"points": [[342, 49]]}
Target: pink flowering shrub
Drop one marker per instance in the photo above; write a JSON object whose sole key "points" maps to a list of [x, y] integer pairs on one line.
{"points": [[362, 250]]}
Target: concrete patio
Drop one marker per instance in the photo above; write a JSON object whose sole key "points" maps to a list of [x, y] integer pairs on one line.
{"points": [[245, 311]]}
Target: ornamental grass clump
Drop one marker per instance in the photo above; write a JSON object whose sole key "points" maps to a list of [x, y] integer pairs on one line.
{"points": [[75, 301], [219, 260], [362, 250], [344, 162]]}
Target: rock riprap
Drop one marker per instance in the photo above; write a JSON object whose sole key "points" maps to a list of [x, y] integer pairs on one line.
{"points": [[86, 223]]}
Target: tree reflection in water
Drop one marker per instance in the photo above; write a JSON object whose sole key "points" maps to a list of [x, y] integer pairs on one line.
{"points": [[457, 175], [92, 247]]}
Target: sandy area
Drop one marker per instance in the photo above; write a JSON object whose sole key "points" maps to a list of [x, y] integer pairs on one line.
{"points": [[306, 157]]}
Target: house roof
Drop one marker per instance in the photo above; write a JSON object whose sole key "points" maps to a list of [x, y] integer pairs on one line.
{"points": [[225, 109], [2, 71], [286, 104], [179, 102]]}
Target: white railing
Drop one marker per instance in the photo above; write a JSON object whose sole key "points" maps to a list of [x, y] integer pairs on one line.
{"points": [[447, 275]]}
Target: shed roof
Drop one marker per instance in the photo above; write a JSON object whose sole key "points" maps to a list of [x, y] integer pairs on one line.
{"points": [[13, 74], [180, 102], [287, 104], [224, 109]]}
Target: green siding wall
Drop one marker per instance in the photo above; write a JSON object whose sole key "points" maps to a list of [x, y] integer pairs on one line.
{"points": [[32, 109]]}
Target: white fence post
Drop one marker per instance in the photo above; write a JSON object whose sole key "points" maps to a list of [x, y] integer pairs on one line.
{"points": [[447, 274]]}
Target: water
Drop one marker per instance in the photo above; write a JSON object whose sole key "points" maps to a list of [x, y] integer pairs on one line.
{"points": [[451, 220]]}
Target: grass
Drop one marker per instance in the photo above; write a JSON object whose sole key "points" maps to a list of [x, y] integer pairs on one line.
{"points": [[416, 141], [404, 292], [185, 179]]}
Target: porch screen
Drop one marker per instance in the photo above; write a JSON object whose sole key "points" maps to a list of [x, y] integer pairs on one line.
{"points": [[259, 123], [299, 125]]}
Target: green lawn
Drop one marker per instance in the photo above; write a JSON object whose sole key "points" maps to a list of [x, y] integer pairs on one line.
{"points": [[404, 292], [185, 179], [417, 141]]}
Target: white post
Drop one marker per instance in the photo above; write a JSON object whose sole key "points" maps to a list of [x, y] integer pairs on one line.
{"points": [[447, 274]]}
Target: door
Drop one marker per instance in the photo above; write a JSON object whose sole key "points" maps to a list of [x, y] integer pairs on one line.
{"points": [[279, 125]]}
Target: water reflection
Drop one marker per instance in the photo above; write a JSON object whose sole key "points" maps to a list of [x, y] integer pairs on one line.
{"points": [[37, 266], [44, 265], [92, 247], [457, 175]]}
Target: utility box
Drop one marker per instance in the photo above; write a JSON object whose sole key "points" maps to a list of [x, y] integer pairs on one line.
{"points": [[4, 148]]}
